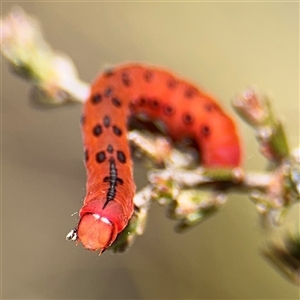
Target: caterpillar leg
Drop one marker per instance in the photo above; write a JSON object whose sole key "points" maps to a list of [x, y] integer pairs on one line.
{"points": [[72, 236]]}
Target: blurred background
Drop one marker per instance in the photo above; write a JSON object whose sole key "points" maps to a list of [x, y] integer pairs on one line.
{"points": [[223, 47]]}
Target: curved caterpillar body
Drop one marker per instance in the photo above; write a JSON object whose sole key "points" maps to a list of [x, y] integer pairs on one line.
{"points": [[131, 89]]}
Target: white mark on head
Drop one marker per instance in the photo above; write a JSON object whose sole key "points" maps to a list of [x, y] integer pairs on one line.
{"points": [[105, 220]]}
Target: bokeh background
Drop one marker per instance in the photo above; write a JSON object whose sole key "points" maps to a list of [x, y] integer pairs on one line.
{"points": [[223, 47]]}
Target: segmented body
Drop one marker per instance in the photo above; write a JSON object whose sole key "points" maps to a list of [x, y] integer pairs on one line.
{"points": [[185, 110]]}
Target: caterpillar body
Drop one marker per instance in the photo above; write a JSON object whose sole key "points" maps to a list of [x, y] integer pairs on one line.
{"points": [[131, 89]]}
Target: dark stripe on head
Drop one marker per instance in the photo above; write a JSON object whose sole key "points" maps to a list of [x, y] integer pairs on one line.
{"points": [[113, 181]]}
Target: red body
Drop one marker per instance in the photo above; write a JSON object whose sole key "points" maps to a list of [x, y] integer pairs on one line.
{"points": [[185, 110]]}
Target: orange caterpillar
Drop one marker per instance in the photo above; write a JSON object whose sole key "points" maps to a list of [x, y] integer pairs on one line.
{"points": [[185, 110]]}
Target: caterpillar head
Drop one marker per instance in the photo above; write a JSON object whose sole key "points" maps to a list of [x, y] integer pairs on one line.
{"points": [[95, 232]]}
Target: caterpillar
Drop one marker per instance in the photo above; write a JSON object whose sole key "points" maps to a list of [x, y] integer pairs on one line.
{"points": [[132, 89]]}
